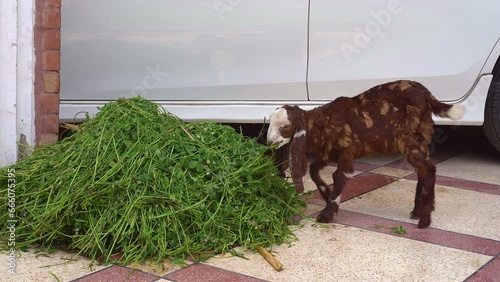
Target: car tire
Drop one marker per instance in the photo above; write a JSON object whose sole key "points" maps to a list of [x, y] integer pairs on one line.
{"points": [[491, 124]]}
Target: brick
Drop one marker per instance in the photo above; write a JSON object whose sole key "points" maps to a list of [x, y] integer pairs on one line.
{"points": [[51, 60], [51, 82], [49, 18], [49, 103], [50, 124], [53, 3], [47, 139], [51, 39]]}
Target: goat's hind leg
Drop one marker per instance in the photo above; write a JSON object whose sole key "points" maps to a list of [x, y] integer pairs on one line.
{"points": [[419, 158], [415, 213], [314, 169], [427, 178]]}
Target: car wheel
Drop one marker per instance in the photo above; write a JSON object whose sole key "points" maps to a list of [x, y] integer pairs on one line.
{"points": [[491, 124]]}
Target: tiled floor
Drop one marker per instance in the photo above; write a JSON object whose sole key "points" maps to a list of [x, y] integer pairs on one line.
{"points": [[462, 243]]}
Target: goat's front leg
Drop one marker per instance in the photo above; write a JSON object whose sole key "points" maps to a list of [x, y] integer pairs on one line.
{"points": [[314, 169], [333, 202]]}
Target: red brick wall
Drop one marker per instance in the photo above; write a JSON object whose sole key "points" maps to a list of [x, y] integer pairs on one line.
{"points": [[47, 43]]}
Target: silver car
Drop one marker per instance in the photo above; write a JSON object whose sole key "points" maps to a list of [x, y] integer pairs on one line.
{"points": [[237, 60]]}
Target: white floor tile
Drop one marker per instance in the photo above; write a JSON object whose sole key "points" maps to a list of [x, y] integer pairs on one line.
{"points": [[457, 210], [472, 167]]}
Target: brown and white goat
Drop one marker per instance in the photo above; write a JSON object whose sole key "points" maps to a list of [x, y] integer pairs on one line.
{"points": [[395, 117]]}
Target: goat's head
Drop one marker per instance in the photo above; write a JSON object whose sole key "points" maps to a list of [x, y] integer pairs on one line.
{"points": [[287, 124], [280, 128]]}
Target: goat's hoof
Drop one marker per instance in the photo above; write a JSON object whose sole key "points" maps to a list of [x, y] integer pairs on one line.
{"points": [[299, 187], [414, 215], [424, 223], [325, 216], [299, 190]]}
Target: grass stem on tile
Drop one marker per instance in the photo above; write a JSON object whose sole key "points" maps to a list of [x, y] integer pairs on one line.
{"points": [[400, 230]]}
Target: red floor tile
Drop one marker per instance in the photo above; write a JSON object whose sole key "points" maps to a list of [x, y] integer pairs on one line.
{"points": [[204, 273], [118, 274]]}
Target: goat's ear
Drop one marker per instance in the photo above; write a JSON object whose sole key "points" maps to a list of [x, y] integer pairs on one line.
{"points": [[298, 158], [282, 156]]}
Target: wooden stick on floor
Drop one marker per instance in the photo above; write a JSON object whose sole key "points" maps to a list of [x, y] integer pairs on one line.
{"points": [[270, 258]]}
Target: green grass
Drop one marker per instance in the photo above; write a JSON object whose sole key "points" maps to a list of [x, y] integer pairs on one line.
{"points": [[138, 183], [400, 230]]}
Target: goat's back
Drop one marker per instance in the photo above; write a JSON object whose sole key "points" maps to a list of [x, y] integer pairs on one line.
{"points": [[379, 120]]}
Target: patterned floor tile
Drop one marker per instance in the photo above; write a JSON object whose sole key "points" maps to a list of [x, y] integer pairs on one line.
{"points": [[437, 157], [464, 184], [364, 166], [118, 274], [152, 267], [38, 265], [312, 209], [379, 160], [457, 210], [489, 272], [396, 172], [401, 164], [204, 273], [429, 235], [326, 252], [356, 186], [478, 168]]}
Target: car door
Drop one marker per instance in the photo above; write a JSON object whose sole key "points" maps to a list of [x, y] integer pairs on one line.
{"points": [[166, 50], [355, 45]]}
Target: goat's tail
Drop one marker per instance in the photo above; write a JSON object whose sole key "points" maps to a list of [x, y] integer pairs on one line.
{"points": [[454, 112]]}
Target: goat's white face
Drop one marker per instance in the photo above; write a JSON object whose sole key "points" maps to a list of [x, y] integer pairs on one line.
{"points": [[279, 124]]}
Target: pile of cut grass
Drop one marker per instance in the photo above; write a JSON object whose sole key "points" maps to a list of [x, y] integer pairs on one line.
{"points": [[139, 182]]}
